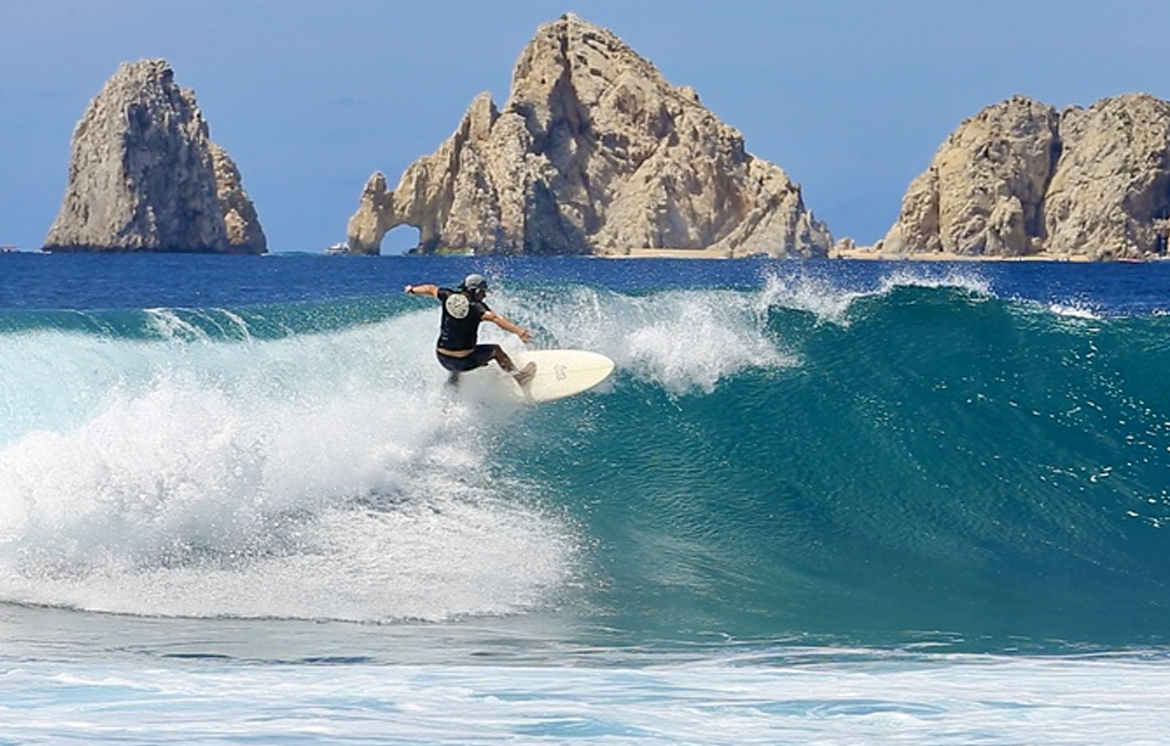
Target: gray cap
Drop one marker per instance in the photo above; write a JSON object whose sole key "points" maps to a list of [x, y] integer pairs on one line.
{"points": [[475, 282]]}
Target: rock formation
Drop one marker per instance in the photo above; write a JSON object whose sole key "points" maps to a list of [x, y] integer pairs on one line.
{"points": [[594, 152], [240, 221], [1110, 195], [145, 176], [1020, 180]]}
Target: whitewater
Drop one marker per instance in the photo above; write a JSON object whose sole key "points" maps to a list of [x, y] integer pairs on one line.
{"points": [[818, 502]]}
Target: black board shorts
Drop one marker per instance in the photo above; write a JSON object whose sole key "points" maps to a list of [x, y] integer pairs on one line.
{"points": [[479, 357]]}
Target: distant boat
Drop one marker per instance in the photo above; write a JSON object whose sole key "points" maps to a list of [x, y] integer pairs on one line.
{"points": [[8, 248], [338, 248]]}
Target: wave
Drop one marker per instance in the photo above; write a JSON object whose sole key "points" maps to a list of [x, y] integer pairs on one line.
{"points": [[921, 455]]}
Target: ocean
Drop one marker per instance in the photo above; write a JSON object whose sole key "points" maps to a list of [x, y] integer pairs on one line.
{"points": [[819, 502]]}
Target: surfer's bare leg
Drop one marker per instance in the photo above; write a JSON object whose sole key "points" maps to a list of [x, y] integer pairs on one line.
{"points": [[522, 376], [502, 358]]}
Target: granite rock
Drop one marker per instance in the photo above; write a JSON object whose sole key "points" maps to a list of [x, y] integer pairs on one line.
{"points": [[1019, 179], [1110, 195], [144, 175], [593, 153], [240, 221]]}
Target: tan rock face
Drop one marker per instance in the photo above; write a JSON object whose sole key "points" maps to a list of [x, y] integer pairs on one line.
{"points": [[1020, 180], [145, 176], [594, 152], [240, 221], [1110, 195], [983, 193]]}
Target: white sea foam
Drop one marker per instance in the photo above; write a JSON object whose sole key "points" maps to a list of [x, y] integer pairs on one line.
{"points": [[926, 276], [939, 701], [830, 302], [810, 293], [1075, 310], [685, 340], [170, 324], [316, 476]]}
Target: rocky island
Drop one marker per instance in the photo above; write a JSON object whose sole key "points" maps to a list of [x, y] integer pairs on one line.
{"points": [[594, 152], [144, 175], [1020, 180]]}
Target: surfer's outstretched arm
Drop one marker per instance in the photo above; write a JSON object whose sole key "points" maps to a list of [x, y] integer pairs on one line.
{"points": [[427, 289], [508, 326]]}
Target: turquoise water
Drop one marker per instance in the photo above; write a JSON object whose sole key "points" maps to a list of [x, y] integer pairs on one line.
{"points": [[830, 502]]}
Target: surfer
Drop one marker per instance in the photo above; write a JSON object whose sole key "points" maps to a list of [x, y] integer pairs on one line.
{"points": [[458, 349]]}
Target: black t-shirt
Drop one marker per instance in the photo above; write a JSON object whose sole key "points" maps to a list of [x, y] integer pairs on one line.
{"points": [[461, 316]]}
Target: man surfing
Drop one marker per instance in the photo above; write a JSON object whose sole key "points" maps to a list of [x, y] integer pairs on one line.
{"points": [[458, 349]]}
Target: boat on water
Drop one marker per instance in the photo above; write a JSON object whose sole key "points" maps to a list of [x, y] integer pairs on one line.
{"points": [[341, 247]]}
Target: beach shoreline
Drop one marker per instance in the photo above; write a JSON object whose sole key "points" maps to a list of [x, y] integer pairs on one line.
{"points": [[864, 255], [941, 256]]}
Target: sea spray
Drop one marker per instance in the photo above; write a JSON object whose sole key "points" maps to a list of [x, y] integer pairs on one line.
{"points": [[323, 475], [683, 341]]}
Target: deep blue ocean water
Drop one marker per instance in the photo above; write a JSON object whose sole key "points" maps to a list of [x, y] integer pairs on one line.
{"points": [[819, 502]]}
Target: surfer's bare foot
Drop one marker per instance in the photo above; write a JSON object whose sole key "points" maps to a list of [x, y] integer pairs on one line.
{"points": [[526, 374]]}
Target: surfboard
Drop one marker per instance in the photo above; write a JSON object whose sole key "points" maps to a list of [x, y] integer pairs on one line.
{"points": [[561, 373]]}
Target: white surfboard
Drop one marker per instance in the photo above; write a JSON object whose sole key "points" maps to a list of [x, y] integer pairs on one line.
{"points": [[561, 373]]}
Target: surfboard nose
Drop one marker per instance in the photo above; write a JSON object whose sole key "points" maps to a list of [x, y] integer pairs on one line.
{"points": [[560, 373]]}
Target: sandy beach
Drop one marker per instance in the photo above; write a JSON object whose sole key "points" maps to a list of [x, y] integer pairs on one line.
{"points": [[857, 253], [940, 256]]}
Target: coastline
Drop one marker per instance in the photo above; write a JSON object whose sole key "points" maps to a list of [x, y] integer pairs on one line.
{"points": [[939, 256], [707, 253], [862, 255]]}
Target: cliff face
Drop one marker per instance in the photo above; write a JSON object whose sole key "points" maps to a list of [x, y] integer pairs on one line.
{"points": [[145, 176], [1020, 180], [240, 222], [594, 152], [1110, 195]]}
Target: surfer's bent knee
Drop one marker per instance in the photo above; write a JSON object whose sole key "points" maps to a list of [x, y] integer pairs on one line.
{"points": [[503, 359]]}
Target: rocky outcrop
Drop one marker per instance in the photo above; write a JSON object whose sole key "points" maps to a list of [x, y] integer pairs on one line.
{"points": [[594, 152], [145, 176], [1110, 195], [240, 222], [1021, 180]]}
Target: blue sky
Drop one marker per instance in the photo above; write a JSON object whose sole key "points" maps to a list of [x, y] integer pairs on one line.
{"points": [[309, 97]]}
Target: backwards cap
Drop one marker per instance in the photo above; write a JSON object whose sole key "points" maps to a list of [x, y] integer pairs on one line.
{"points": [[474, 282]]}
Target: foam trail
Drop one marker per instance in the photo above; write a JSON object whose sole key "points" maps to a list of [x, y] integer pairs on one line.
{"points": [[316, 476], [688, 341], [684, 341]]}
